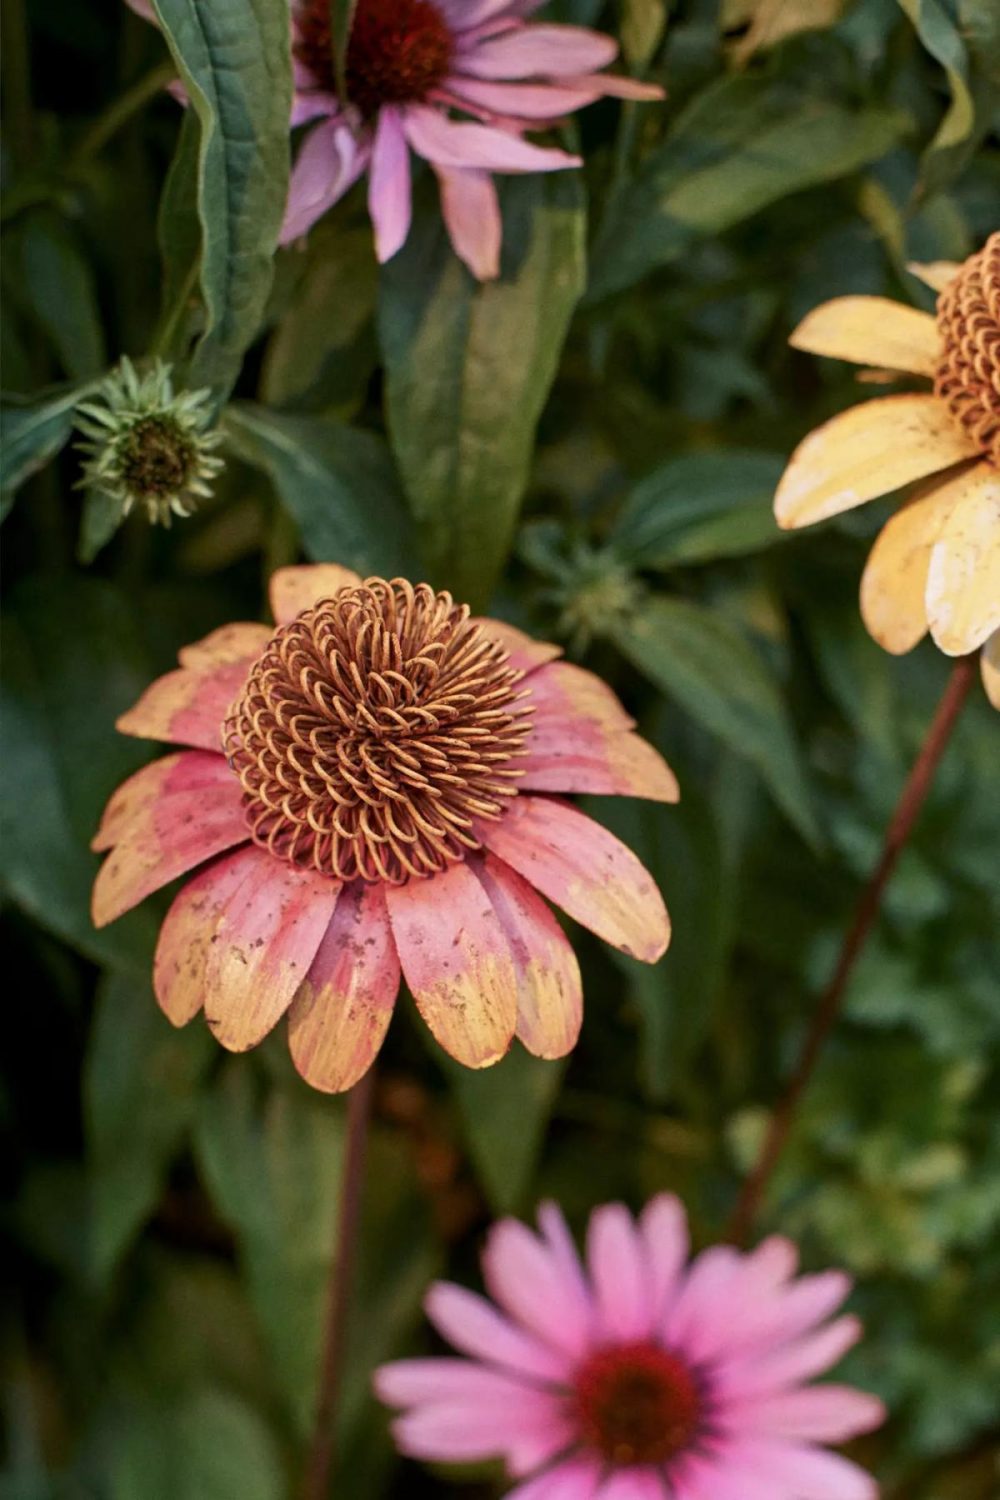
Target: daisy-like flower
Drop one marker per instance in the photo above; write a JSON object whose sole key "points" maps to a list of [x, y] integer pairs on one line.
{"points": [[368, 788], [638, 1377], [936, 563], [145, 445]]}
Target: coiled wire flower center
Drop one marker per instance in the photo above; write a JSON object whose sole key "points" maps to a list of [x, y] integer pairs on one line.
{"points": [[375, 730], [968, 373], [637, 1404], [398, 51]]}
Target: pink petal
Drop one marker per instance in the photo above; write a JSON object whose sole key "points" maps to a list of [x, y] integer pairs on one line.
{"points": [[341, 1011], [558, 1241], [241, 642], [549, 987], [188, 933], [413, 1382], [701, 1298], [809, 1473], [618, 1274], [527, 1280], [757, 1279], [167, 838], [586, 871], [298, 588], [185, 707], [523, 652], [472, 217], [538, 52], [664, 1233], [529, 101], [822, 1413], [457, 963], [311, 103], [263, 946], [761, 1374], [562, 692], [329, 162], [448, 143], [579, 756], [527, 1430], [787, 1315], [178, 774], [389, 198], [474, 1326], [633, 1484], [696, 1478], [614, 86], [576, 1479]]}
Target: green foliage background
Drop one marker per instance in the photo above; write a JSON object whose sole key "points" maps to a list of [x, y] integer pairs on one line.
{"points": [[590, 445]]}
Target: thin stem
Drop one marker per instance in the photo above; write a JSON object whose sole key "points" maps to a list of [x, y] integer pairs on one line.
{"points": [[17, 79], [119, 113], [907, 808], [319, 1462]]}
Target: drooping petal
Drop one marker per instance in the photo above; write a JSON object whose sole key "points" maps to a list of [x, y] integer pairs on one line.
{"points": [[527, 101], [937, 274], [894, 581], [341, 1011], [451, 143], [329, 162], [166, 838], [619, 1274], [809, 1473], [523, 652], [549, 987], [297, 588], [871, 331], [230, 643], [457, 963], [538, 52], [586, 871], [473, 1325], [527, 1280], [186, 707], [263, 946], [989, 663], [867, 451], [664, 1233], [817, 1414], [188, 933], [963, 578], [472, 217], [184, 771], [390, 200]]}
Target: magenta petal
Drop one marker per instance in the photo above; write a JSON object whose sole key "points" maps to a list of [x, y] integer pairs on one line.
{"points": [[474, 1326], [329, 162], [538, 52], [818, 1414], [527, 101], [527, 1280], [527, 1429], [755, 1374], [389, 196], [448, 143], [472, 217], [618, 1274], [808, 1473], [664, 1232], [575, 1479]]}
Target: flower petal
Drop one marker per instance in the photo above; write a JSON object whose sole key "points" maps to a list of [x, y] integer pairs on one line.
{"points": [[561, 691], [574, 1479], [457, 963], [263, 946], [664, 1232], [188, 933], [872, 331], [329, 162], [527, 1280], [472, 217], [527, 101], [809, 1473], [778, 1319], [474, 1326], [294, 589], [230, 643], [585, 870], [523, 651], [390, 201], [716, 1478], [989, 664], [538, 52], [619, 1274], [866, 451], [963, 579], [894, 582], [185, 707], [183, 771], [581, 757], [758, 1375], [818, 1414], [937, 274], [450, 143], [166, 838], [549, 987], [341, 1011]]}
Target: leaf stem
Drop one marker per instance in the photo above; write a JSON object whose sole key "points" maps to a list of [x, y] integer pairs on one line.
{"points": [[911, 800], [319, 1461], [119, 113]]}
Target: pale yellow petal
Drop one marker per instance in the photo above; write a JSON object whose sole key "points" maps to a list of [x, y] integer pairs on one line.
{"points": [[895, 578], [871, 331], [297, 588], [963, 580], [934, 273], [989, 665], [867, 451]]}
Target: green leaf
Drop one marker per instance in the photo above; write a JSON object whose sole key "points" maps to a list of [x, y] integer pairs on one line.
{"points": [[73, 664], [273, 1167], [341, 21], [101, 518], [141, 1080], [940, 28], [60, 283], [205, 1444], [697, 657], [700, 507], [337, 482], [468, 370], [179, 235], [32, 434], [741, 144], [234, 60], [504, 1112]]}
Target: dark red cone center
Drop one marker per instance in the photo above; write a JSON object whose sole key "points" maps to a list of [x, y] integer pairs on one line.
{"points": [[637, 1404], [398, 52]]}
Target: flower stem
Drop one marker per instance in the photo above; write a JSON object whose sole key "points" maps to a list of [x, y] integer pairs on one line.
{"points": [[119, 113], [319, 1461], [914, 792]]}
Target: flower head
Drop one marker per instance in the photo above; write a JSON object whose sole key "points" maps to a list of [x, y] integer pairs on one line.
{"points": [[146, 446], [368, 789], [410, 67], [936, 563], [639, 1376]]}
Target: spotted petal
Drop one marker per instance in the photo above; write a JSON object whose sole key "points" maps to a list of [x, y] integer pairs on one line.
{"points": [[183, 772], [188, 934]]}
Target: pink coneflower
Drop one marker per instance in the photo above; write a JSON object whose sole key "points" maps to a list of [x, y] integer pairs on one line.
{"points": [[640, 1377], [368, 789]]}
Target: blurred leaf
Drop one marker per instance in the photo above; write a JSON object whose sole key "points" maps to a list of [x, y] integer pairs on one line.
{"points": [[341, 21], [32, 434], [141, 1081], [234, 61], [273, 1168], [504, 1112], [99, 521], [642, 27], [73, 663], [740, 145], [203, 1445], [179, 234], [468, 370], [338, 483], [937, 25], [60, 283], [699, 507], [697, 657]]}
